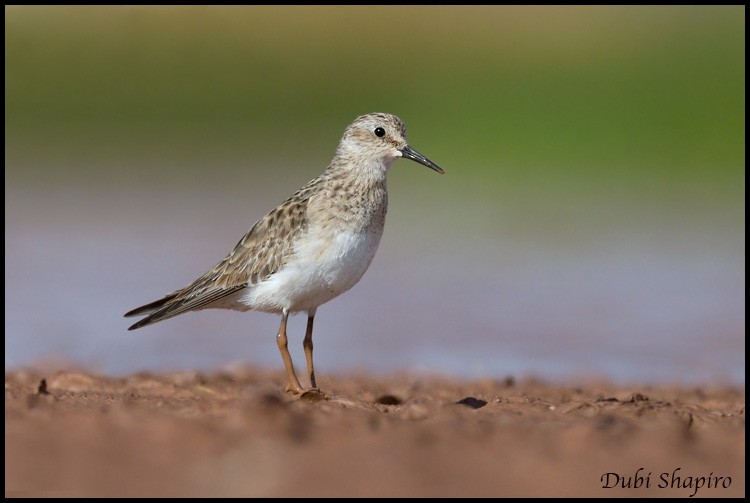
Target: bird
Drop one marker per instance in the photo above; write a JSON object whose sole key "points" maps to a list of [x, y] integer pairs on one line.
{"points": [[313, 247]]}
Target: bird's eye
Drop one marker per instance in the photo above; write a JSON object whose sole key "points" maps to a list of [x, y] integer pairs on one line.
{"points": [[379, 132]]}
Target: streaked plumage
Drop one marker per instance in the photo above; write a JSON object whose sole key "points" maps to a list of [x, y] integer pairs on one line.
{"points": [[311, 248]]}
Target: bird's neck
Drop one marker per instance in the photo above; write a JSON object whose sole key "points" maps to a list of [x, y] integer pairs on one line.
{"points": [[359, 171], [357, 189]]}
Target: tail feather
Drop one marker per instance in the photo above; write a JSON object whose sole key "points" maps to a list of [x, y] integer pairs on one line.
{"points": [[177, 303], [151, 307], [154, 310], [148, 320]]}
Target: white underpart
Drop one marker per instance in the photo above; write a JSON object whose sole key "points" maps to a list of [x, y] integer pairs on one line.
{"points": [[324, 266], [328, 260]]}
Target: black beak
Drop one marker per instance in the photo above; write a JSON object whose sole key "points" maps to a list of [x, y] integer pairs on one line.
{"points": [[412, 154]]}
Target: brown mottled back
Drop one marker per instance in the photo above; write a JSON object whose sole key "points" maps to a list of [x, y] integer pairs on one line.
{"points": [[259, 254]]}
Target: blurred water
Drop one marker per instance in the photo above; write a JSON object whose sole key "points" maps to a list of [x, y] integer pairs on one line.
{"points": [[452, 290], [591, 221]]}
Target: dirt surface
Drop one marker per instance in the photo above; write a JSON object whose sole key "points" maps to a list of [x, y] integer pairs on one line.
{"points": [[238, 434]]}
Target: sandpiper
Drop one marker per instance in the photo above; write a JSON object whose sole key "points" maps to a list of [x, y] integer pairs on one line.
{"points": [[312, 247]]}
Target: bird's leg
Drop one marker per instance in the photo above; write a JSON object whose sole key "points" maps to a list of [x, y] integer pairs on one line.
{"points": [[281, 340], [307, 343]]}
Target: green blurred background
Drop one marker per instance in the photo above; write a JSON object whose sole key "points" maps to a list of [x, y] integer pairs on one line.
{"points": [[636, 94], [556, 125]]}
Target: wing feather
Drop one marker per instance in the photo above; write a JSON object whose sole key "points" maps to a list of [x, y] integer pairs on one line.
{"points": [[260, 253]]}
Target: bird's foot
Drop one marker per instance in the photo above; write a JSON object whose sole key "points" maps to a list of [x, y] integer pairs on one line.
{"points": [[294, 390], [313, 395]]}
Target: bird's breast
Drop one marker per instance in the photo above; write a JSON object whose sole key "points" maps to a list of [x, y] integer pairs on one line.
{"points": [[329, 258]]}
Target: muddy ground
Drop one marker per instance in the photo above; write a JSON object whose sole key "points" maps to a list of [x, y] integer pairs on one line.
{"points": [[239, 434]]}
